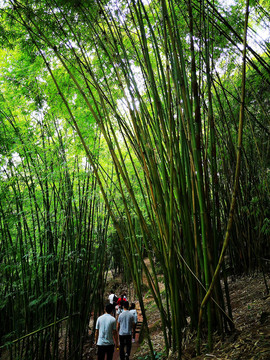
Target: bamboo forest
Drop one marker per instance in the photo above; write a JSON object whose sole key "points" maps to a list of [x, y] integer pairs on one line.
{"points": [[135, 156]]}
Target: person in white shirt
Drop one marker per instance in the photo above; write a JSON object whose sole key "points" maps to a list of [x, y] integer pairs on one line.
{"points": [[106, 334], [112, 298]]}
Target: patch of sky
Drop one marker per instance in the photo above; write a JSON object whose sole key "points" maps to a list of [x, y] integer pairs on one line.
{"points": [[260, 28], [123, 106], [259, 32], [40, 79], [4, 4], [42, 52], [85, 164], [74, 99], [196, 41], [71, 45], [59, 125], [3, 166], [15, 160], [137, 85], [137, 76], [227, 4], [37, 116], [118, 10], [90, 54]]}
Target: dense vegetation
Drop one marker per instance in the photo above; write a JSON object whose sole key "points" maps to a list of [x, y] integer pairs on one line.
{"points": [[129, 129]]}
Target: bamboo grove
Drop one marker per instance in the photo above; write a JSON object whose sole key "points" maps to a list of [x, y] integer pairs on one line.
{"points": [[137, 125]]}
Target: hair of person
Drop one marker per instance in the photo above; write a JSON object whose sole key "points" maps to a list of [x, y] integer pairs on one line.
{"points": [[126, 305], [132, 306], [109, 308], [111, 291]]}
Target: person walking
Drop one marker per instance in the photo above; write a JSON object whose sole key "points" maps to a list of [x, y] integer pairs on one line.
{"points": [[106, 334], [133, 311], [112, 297], [125, 325], [122, 298], [113, 300]]}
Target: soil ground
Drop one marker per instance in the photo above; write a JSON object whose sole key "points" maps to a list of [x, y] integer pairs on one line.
{"points": [[251, 315]]}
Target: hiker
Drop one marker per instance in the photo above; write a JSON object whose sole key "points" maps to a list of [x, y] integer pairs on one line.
{"points": [[106, 333], [112, 297], [133, 311], [113, 300], [122, 298], [125, 324]]}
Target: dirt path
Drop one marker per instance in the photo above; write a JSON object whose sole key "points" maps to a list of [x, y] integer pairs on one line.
{"points": [[135, 345]]}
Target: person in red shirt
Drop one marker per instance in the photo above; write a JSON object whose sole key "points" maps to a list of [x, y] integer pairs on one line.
{"points": [[123, 297]]}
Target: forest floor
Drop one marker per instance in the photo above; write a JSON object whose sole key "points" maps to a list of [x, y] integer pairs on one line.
{"points": [[251, 315]]}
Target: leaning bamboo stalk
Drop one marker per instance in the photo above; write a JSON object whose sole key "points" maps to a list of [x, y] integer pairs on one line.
{"points": [[236, 178]]}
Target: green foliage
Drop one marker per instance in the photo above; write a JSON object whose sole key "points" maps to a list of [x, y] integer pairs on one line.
{"points": [[265, 229], [119, 125]]}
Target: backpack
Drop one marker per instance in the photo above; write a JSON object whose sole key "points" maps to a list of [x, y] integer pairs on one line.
{"points": [[115, 298]]}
